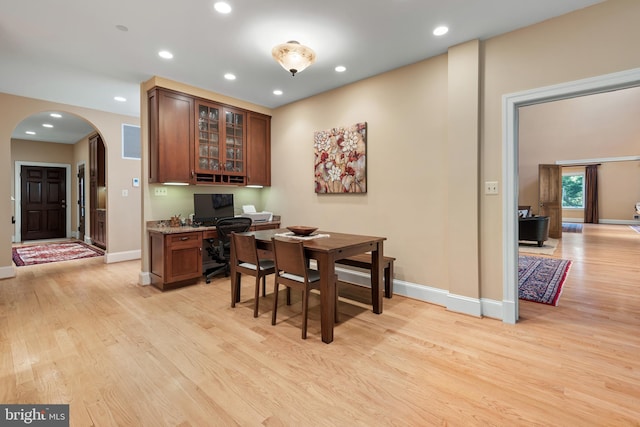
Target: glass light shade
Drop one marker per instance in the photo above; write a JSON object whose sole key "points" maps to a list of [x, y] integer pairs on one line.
{"points": [[293, 56]]}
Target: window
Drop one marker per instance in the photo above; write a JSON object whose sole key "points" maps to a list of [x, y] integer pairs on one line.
{"points": [[573, 190]]}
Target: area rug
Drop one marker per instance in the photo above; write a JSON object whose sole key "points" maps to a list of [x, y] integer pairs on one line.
{"points": [[635, 228], [541, 279], [548, 248], [571, 227], [53, 252]]}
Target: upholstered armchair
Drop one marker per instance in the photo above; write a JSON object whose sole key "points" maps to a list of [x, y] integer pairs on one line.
{"points": [[535, 228]]}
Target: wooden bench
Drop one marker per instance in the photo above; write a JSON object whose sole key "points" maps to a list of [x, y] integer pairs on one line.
{"points": [[364, 261]]}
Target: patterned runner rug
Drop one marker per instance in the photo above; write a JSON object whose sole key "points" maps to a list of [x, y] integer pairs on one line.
{"points": [[571, 227], [53, 252], [541, 279]]}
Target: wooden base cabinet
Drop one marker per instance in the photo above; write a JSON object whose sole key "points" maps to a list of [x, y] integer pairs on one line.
{"points": [[176, 259]]}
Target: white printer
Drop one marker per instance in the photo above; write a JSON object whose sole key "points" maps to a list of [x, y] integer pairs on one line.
{"points": [[249, 211]]}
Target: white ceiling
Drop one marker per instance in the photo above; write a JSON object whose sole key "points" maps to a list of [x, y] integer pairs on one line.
{"points": [[70, 51]]}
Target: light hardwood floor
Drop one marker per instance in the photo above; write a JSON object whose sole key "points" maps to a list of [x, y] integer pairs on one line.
{"points": [[84, 333]]}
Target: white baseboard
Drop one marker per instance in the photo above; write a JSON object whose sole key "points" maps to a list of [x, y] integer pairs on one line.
{"points": [[8, 272], [605, 221], [456, 303], [112, 257], [464, 305], [619, 222], [506, 312], [144, 278]]}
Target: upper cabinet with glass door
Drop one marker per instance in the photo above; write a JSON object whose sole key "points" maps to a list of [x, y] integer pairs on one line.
{"points": [[208, 142], [234, 142], [220, 145]]}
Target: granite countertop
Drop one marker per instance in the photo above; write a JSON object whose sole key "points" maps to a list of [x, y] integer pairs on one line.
{"points": [[153, 226], [156, 227]]}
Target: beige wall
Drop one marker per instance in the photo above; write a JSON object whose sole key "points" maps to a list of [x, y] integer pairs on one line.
{"points": [[599, 126], [406, 199], [123, 230], [37, 151]]}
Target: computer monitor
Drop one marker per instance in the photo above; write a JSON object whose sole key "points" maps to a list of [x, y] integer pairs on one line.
{"points": [[208, 208]]}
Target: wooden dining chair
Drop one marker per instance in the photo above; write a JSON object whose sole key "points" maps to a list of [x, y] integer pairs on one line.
{"points": [[248, 262], [292, 271]]}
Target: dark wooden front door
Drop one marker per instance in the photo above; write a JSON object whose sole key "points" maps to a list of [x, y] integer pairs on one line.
{"points": [[44, 202]]}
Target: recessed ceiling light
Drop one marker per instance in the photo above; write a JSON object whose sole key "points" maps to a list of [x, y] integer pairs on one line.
{"points": [[56, 115], [440, 31], [47, 125], [341, 69], [229, 76], [222, 7], [122, 28], [120, 98], [277, 92], [30, 132], [165, 54]]}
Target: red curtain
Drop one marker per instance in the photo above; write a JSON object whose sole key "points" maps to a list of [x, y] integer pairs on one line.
{"points": [[591, 195]]}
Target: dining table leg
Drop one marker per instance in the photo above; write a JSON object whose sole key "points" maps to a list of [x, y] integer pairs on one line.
{"points": [[235, 281], [326, 267], [377, 271]]}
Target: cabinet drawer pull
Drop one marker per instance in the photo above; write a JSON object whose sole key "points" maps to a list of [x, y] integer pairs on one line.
{"points": [[184, 238]]}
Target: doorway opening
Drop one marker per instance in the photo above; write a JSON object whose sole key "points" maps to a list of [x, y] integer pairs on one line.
{"points": [[511, 103]]}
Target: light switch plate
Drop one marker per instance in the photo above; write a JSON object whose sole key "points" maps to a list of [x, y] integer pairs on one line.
{"points": [[491, 187]]}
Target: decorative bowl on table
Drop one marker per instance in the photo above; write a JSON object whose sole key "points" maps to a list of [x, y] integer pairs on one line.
{"points": [[301, 230]]}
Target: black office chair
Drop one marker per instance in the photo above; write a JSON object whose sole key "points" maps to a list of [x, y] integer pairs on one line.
{"points": [[219, 249]]}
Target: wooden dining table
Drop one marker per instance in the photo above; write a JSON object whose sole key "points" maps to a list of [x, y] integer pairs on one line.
{"points": [[326, 249]]}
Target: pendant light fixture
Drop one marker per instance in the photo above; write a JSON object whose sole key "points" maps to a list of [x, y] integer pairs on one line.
{"points": [[293, 56]]}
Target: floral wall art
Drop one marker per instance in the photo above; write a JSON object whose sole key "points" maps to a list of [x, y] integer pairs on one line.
{"points": [[341, 159]]}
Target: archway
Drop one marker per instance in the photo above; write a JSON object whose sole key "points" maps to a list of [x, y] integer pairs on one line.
{"points": [[44, 142]]}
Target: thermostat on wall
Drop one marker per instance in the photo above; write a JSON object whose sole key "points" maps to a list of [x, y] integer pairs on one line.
{"points": [[136, 182]]}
